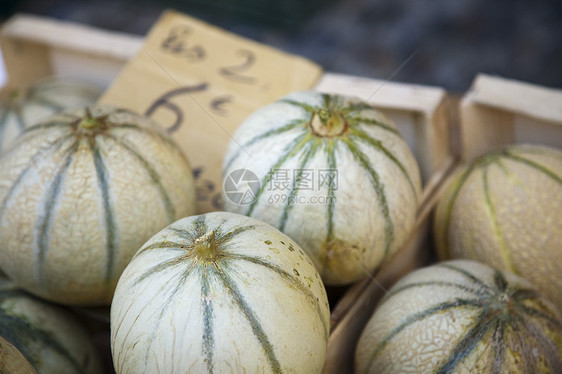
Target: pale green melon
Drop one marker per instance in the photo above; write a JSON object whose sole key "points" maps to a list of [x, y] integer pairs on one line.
{"points": [[504, 209], [462, 316], [220, 293], [331, 172], [80, 193], [38, 337]]}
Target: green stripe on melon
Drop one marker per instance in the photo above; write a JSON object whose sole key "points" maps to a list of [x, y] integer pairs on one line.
{"points": [[462, 316], [225, 283], [379, 182]]}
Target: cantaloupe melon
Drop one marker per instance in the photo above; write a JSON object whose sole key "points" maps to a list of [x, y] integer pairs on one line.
{"points": [[80, 193], [505, 209], [462, 316], [219, 293], [42, 338], [331, 172]]}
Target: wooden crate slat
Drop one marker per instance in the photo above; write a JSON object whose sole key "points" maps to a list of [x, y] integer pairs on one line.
{"points": [[498, 111], [36, 47]]}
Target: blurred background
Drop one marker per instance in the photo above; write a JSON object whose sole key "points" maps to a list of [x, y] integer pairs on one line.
{"points": [[440, 42]]}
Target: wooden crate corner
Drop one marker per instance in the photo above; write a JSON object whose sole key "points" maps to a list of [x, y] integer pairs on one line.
{"points": [[35, 47], [498, 111]]}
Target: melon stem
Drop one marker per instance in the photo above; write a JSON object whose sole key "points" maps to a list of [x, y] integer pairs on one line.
{"points": [[16, 96], [327, 124], [90, 122], [205, 248]]}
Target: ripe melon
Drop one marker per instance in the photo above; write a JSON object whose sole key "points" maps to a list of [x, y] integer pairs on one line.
{"points": [[38, 337], [462, 316], [219, 293], [22, 108], [80, 193], [332, 173], [504, 209]]}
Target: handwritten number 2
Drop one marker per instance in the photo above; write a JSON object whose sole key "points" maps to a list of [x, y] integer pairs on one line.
{"points": [[236, 72]]}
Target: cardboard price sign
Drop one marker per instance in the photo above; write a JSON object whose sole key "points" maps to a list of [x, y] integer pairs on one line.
{"points": [[200, 83]]}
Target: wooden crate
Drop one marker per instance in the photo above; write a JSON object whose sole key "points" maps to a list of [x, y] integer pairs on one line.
{"points": [[495, 111], [37, 47], [499, 111], [420, 112]]}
